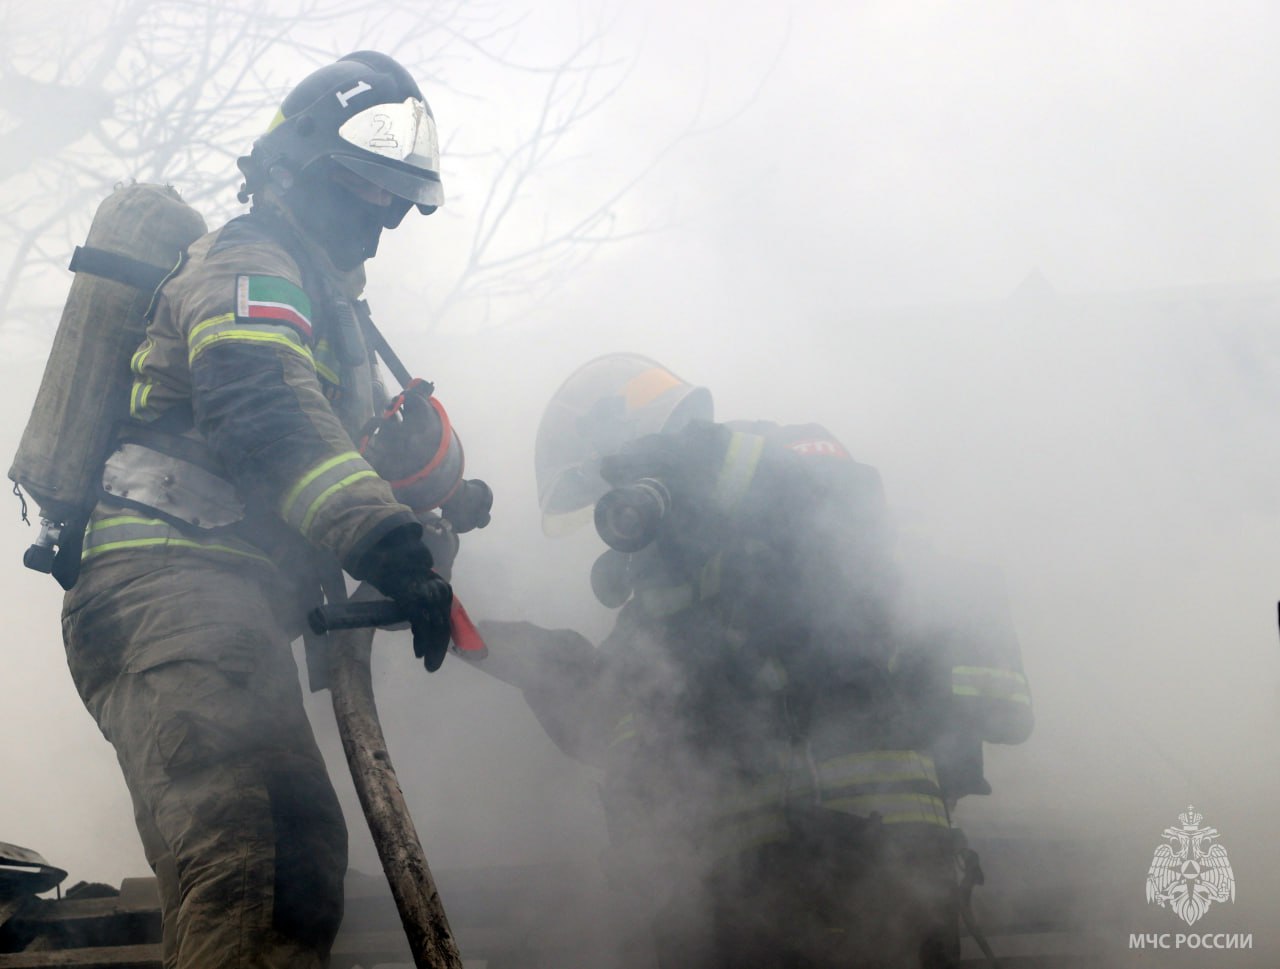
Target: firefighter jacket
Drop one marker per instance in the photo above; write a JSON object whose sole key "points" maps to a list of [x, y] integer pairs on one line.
{"points": [[751, 673], [247, 391]]}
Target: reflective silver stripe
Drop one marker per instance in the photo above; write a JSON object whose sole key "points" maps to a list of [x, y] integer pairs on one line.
{"points": [[895, 808], [738, 469], [313, 490], [877, 767], [172, 486], [121, 532], [990, 682]]}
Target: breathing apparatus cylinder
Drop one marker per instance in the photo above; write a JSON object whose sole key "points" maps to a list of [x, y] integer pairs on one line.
{"points": [[135, 240], [628, 518], [414, 447]]}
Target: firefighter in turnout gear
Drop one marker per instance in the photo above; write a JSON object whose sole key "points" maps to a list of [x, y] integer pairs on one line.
{"points": [[771, 787], [230, 493]]}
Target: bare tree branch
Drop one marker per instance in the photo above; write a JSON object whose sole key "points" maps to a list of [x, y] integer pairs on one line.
{"points": [[173, 91]]}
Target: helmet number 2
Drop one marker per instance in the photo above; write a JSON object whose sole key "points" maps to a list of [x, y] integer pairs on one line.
{"points": [[344, 97], [384, 137]]}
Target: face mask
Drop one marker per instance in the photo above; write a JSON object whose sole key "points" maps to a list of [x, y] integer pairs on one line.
{"points": [[346, 227]]}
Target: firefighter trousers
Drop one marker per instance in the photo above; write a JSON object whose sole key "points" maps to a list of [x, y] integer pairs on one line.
{"points": [[184, 664], [839, 892]]}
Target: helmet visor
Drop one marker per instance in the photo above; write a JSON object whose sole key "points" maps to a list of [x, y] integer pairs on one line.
{"points": [[601, 407], [405, 135]]}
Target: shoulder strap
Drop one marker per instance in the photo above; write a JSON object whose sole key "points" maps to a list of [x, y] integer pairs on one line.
{"points": [[381, 347], [117, 267]]}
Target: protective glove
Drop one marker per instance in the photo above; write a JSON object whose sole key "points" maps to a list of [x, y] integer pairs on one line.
{"points": [[399, 567]]}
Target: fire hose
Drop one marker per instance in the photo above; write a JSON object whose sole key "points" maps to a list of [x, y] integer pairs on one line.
{"points": [[350, 627]]}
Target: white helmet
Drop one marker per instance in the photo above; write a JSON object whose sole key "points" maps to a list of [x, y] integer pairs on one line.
{"points": [[603, 405]]}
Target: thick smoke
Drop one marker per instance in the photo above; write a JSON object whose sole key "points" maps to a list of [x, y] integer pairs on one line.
{"points": [[849, 250]]}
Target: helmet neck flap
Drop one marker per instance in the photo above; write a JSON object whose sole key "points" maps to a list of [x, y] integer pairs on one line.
{"points": [[344, 225]]}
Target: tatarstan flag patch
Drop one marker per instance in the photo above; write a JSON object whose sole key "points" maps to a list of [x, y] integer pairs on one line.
{"points": [[273, 298]]}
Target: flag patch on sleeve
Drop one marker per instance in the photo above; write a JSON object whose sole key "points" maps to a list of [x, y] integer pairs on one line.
{"points": [[275, 299]]}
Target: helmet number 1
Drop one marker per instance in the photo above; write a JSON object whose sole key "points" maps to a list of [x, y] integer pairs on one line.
{"points": [[345, 96]]}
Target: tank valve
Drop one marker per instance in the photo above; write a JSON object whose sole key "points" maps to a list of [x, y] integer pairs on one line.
{"points": [[39, 556]]}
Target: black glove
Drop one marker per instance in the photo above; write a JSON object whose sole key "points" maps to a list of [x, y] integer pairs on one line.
{"points": [[469, 506], [399, 567]]}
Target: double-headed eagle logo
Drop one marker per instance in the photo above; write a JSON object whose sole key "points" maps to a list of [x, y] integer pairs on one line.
{"points": [[1190, 872]]}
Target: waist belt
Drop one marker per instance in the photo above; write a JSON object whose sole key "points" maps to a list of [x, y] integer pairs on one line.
{"points": [[173, 477]]}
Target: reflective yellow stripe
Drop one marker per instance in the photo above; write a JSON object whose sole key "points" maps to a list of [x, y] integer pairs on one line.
{"points": [[141, 389], [991, 682], [282, 339], [136, 396], [203, 325], [738, 469], [324, 357], [878, 767], [118, 521], [172, 542], [133, 531], [1008, 698], [667, 600], [621, 738], [895, 808], [140, 356], [738, 836], [308, 497], [328, 492], [755, 814], [989, 671], [217, 329], [623, 730], [770, 825], [286, 506], [849, 783], [326, 373]]}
